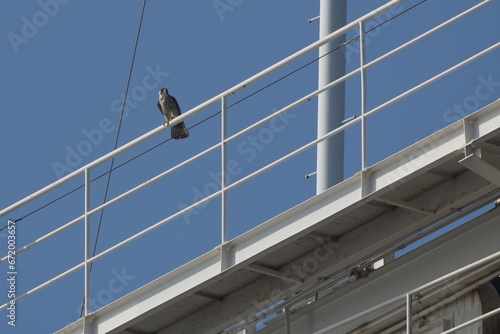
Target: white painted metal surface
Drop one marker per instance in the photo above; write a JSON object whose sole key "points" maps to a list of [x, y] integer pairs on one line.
{"points": [[331, 103], [383, 205], [381, 298], [266, 238]]}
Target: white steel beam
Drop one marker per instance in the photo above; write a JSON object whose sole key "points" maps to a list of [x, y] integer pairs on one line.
{"points": [[365, 187], [481, 167], [357, 245], [406, 275], [314, 213]]}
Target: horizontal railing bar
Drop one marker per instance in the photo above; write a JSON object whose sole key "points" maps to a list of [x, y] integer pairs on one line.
{"points": [[199, 108], [108, 203], [354, 121], [45, 237], [293, 104], [292, 154], [91, 165], [156, 178], [341, 31], [285, 109], [113, 248], [472, 321], [43, 285], [433, 79], [155, 226], [356, 71], [426, 34], [41, 192]]}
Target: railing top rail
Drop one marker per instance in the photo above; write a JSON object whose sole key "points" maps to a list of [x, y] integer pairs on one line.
{"points": [[220, 144], [201, 107]]}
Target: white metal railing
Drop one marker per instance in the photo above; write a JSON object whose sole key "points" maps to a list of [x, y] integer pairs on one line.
{"points": [[407, 297], [300, 299], [472, 321], [222, 99]]}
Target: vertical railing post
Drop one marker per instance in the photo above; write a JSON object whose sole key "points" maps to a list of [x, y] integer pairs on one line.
{"points": [[288, 330], [362, 59], [409, 313], [223, 169], [86, 303]]}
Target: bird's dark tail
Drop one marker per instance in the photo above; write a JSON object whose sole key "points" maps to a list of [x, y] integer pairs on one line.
{"points": [[179, 131]]}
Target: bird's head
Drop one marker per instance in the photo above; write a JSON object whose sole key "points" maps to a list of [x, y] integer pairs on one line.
{"points": [[163, 91]]}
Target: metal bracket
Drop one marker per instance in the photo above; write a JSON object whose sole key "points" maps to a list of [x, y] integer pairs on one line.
{"points": [[273, 273], [87, 324], [366, 186], [225, 256], [476, 163], [405, 205]]}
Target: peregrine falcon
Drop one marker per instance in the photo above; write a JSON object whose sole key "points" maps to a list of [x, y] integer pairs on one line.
{"points": [[170, 109]]}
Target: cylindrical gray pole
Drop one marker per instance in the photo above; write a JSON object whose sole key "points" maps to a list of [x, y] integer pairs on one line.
{"points": [[331, 103]]}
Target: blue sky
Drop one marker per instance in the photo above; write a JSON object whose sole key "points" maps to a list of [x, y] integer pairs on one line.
{"points": [[64, 68]]}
